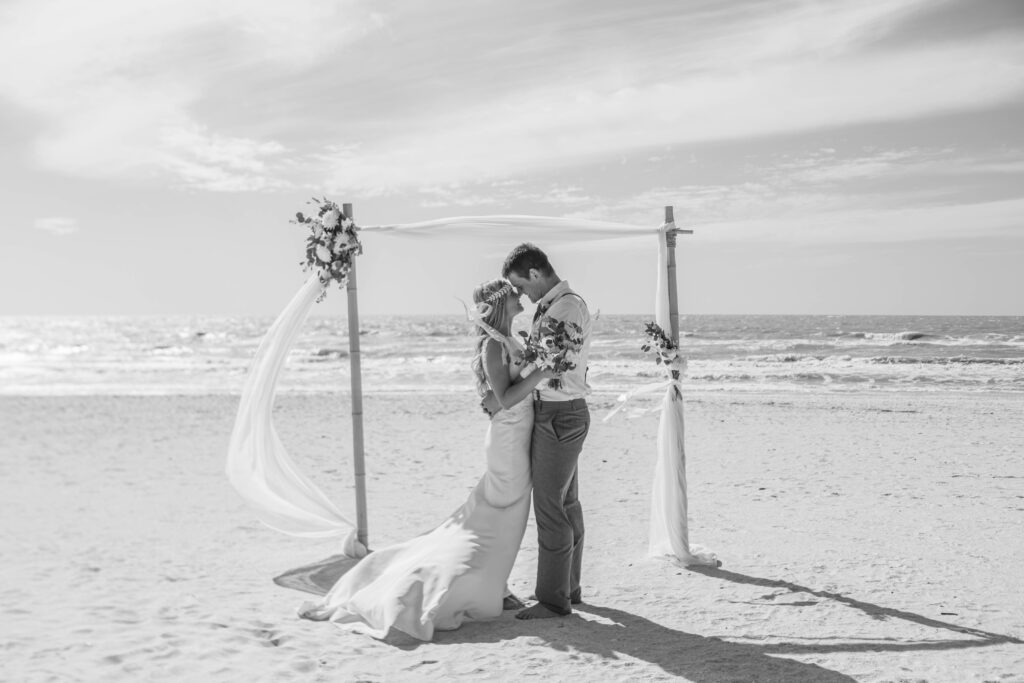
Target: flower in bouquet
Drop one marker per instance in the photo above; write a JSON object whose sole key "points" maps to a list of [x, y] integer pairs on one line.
{"points": [[330, 217], [332, 243], [323, 254], [666, 353], [555, 349]]}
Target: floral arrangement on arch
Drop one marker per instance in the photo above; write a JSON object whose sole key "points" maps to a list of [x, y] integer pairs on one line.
{"points": [[331, 244], [666, 353], [555, 348]]}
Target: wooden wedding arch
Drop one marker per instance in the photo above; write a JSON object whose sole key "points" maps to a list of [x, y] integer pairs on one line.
{"points": [[355, 357]]}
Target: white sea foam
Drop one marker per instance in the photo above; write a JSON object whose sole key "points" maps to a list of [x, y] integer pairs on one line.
{"points": [[425, 354]]}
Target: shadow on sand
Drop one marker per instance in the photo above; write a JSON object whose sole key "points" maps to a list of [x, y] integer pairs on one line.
{"points": [[615, 633], [977, 637], [316, 578]]}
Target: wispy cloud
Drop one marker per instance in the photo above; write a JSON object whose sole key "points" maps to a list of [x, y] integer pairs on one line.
{"points": [[457, 196], [57, 225], [544, 127], [260, 95], [825, 166], [119, 86], [876, 225], [891, 195], [504, 194], [746, 73], [221, 163]]}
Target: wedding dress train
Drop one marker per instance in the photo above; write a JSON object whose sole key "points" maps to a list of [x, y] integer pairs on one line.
{"points": [[458, 571]]}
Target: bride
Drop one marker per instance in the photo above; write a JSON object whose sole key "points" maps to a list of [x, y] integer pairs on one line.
{"points": [[458, 571]]}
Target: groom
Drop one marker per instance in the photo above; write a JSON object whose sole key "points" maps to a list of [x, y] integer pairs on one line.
{"points": [[561, 423]]}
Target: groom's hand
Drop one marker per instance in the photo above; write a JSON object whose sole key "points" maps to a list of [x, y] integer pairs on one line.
{"points": [[490, 403]]}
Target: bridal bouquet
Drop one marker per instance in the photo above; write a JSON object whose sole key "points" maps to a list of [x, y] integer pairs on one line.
{"points": [[666, 352], [556, 347], [332, 243]]}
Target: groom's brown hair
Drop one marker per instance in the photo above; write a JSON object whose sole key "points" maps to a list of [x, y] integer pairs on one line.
{"points": [[524, 257]]}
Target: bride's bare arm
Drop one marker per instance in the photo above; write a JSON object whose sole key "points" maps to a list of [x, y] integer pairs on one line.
{"points": [[507, 392]]}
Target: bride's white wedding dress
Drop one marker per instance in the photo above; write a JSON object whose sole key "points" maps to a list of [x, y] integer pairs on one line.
{"points": [[458, 571]]}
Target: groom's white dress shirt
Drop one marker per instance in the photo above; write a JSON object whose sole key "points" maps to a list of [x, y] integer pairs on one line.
{"points": [[561, 303]]}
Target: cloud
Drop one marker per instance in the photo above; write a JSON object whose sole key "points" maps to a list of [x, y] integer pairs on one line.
{"points": [[455, 195], [745, 72], [259, 95], [504, 194], [876, 225], [550, 127], [215, 162], [117, 86], [825, 166], [57, 225], [877, 196]]}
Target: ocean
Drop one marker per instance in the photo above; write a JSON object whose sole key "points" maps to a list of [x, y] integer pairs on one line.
{"points": [[423, 354]]}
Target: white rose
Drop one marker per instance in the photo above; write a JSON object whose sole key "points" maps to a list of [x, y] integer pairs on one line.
{"points": [[323, 253], [330, 219], [318, 228], [548, 343], [339, 244]]}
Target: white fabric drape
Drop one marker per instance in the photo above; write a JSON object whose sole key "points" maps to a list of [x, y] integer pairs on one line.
{"points": [[258, 465], [515, 228], [261, 470], [669, 532]]}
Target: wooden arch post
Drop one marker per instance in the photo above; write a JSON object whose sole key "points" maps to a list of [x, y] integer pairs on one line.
{"points": [[356, 373], [673, 294]]}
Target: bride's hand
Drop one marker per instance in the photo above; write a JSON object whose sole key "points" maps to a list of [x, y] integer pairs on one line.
{"points": [[490, 404]]}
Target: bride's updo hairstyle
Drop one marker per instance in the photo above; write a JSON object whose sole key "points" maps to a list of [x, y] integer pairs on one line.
{"points": [[490, 298]]}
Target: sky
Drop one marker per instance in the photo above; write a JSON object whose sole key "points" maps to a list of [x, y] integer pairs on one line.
{"points": [[841, 157]]}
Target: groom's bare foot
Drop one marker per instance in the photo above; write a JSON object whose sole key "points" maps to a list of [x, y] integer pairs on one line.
{"points": [[538, 611]]}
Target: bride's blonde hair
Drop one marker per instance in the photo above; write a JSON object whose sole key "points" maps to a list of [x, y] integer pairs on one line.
{"points": [[491, 296]]}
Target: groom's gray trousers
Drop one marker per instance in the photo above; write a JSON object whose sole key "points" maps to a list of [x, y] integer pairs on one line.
{"points": [[559, 429]]}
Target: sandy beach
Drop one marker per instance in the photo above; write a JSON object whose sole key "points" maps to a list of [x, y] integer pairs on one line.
{"points": [[865, 537]]}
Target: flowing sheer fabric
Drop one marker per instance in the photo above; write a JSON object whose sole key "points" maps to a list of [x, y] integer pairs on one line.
{"points": [[669, 532], [515, 228], [258, 465]]}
